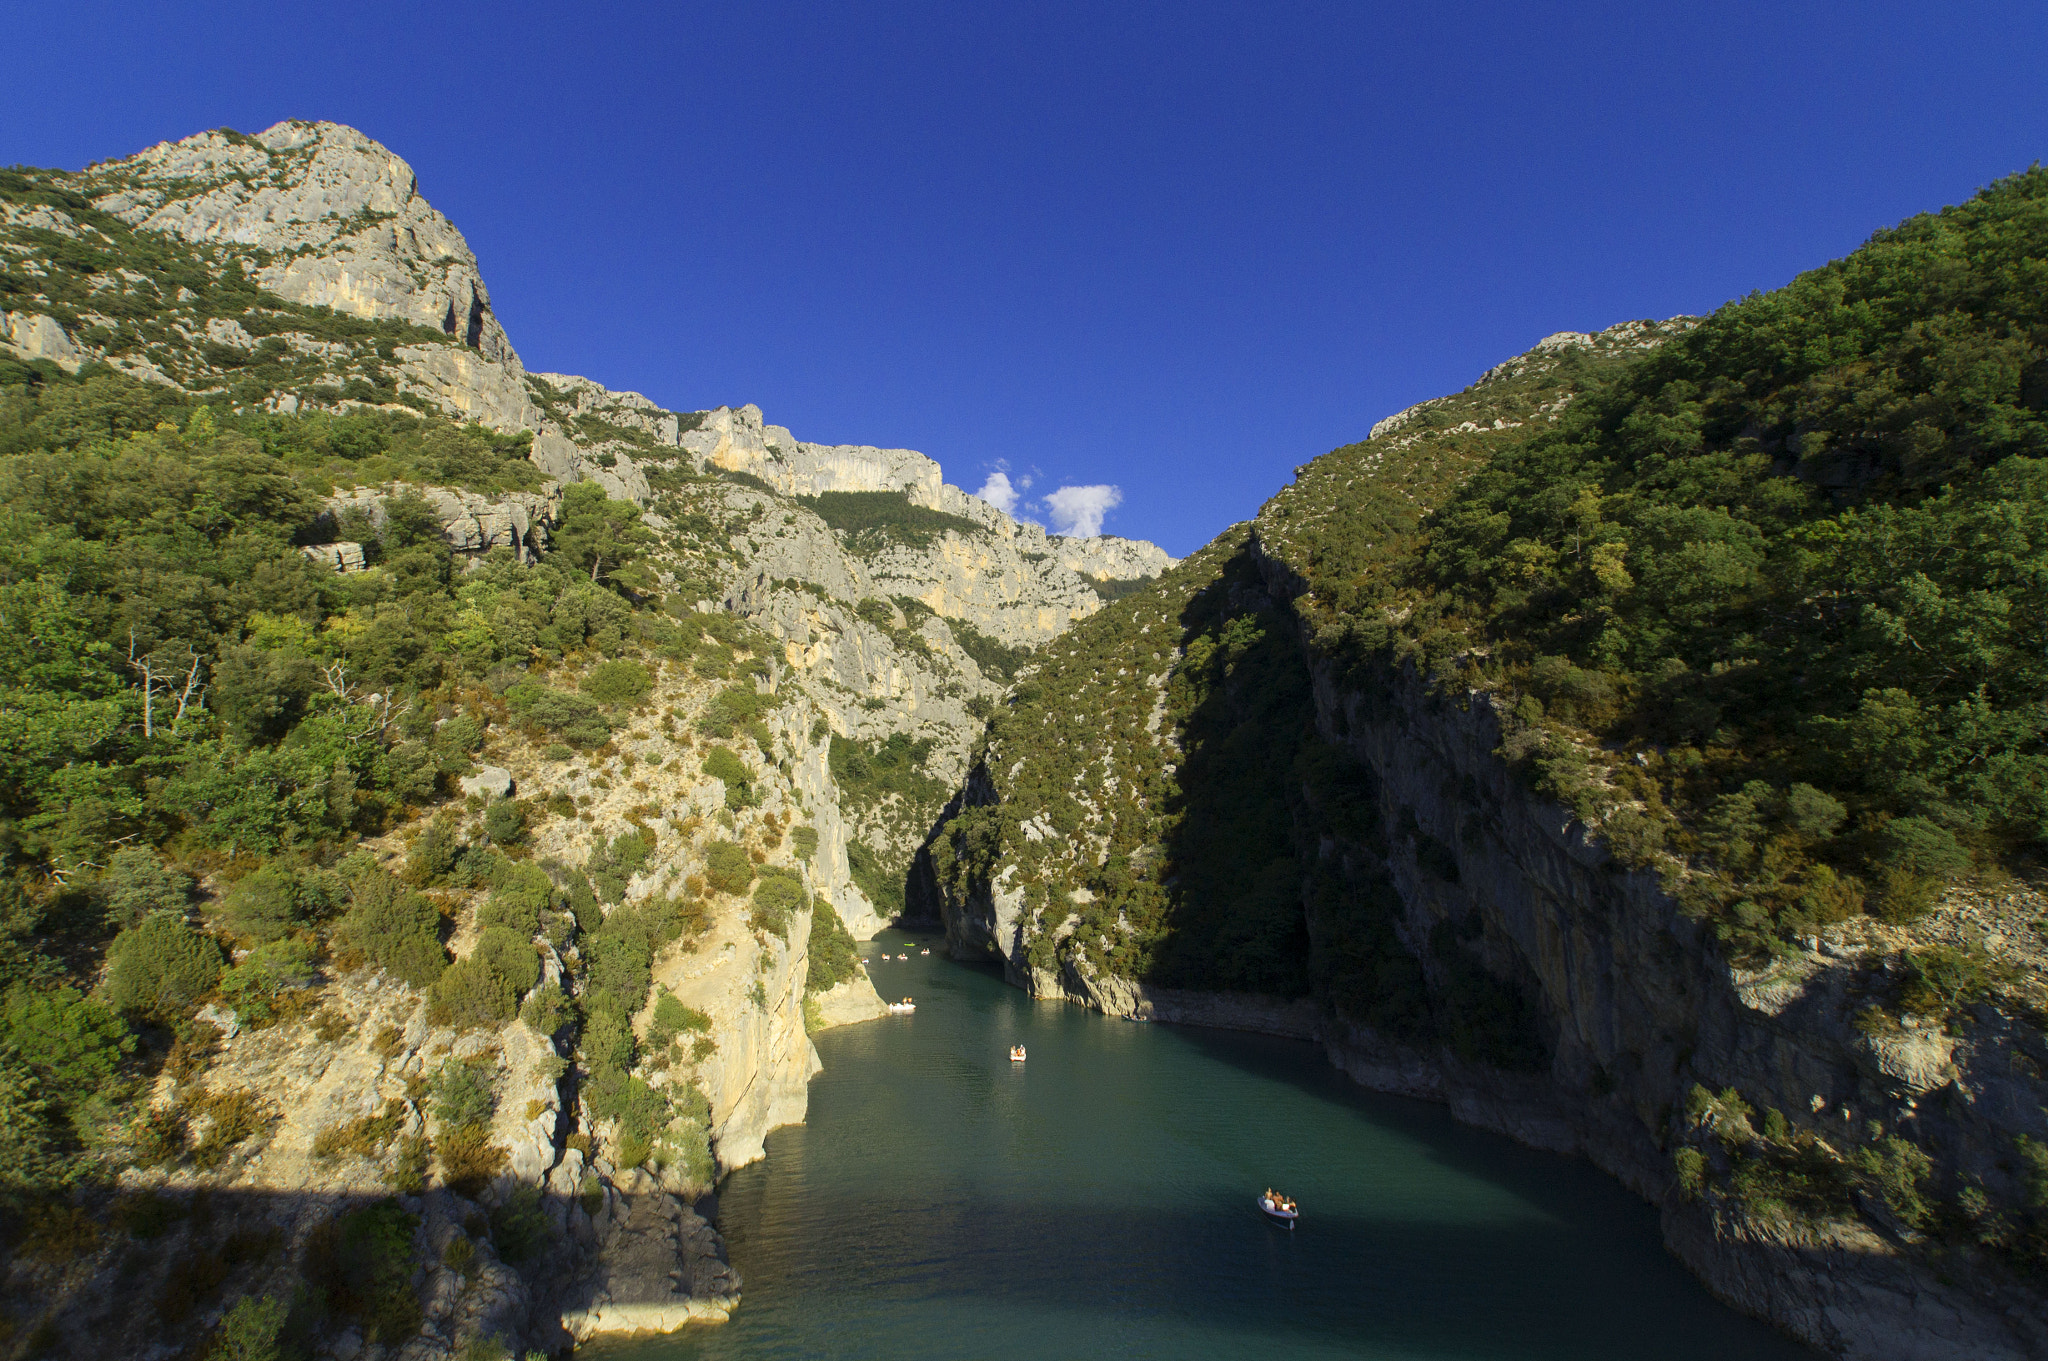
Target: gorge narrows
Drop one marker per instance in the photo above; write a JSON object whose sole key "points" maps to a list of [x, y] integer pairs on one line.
{"points": [[1097, 1200]]}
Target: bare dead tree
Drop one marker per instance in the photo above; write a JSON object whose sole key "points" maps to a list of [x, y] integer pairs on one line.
{"points": [[377, 713], [192, 693], [159, 669], [338, 684], [142, 667]]}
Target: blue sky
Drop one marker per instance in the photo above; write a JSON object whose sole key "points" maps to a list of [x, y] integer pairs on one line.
{"points": [[1177, 249]]}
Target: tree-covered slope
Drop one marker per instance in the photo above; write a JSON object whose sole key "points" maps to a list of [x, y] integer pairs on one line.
{"points": [[1157, 777], [1771, 598], [1646, 742]]}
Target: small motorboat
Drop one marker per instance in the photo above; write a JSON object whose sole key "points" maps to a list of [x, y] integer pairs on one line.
{"points": [[1279, 1208], [903, 956], [1016, 1053], [902, 1008], [927, 950]]}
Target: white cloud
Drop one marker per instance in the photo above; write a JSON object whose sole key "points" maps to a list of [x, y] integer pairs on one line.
{"points": [[998, 492], [1078, 511]]}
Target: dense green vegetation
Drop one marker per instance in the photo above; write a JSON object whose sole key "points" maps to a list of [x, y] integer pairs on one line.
{"points": [[887, 774], [200, 718], [872, 520], [998, 660], [1792, 560], [834, 955], [1116, 588], [1760, 599], [1102, 853]]}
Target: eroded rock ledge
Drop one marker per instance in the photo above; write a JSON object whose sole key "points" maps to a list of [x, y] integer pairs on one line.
{"points": [[660, 1267]]}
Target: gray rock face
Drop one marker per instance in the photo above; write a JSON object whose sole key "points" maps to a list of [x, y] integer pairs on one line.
{"points": [[659, 1268], [338, 557], [1105, 557], [492, 782], [849, 1003], [1013, 581], [31, 335], [471, 522], [339, 218]]}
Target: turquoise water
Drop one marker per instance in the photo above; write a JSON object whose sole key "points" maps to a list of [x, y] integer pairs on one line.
{"points": [[1097, 1201]]}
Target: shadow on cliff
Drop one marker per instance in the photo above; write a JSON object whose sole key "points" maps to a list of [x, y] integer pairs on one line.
{"points": [[1233, 918], [152, 1272]]}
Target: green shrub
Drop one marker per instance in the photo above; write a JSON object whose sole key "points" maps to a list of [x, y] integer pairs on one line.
{"points": [[872, 520], [161, 968], [460, 735], [519, 1226], [872, 877], [469, 995], [778, 894], [28, 1152], [136, 883], [252, 1331], [364, 1262], [517, 899], [578, 719], [465, 1093], [623, 682], [1897, 1169], [722, 763], [547, 1011], [394, 928], [1691, 1165], [834, 955], [618, 964], [612, 867], [672, 1018], [727, 867], [256, 986], [804, 841], [733, 708], [74, 1045], [997, 660], [434, 853], [505, 822], [484, 989], [510, 955], [607, 1041]]}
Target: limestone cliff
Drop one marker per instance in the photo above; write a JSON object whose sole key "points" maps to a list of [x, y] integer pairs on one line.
{"points": [[813, 688]]}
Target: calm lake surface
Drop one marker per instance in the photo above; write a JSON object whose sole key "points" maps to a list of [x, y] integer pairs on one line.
{"points": [[1097, 1200]]}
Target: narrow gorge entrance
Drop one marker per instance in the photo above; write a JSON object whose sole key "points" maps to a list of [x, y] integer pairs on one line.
{"points": [[1097, 1200]]}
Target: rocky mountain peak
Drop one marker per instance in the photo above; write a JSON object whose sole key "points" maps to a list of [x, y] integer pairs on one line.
{"points": [[331, 218]]}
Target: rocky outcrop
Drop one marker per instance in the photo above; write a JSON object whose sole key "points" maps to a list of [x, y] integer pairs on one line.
{"points": [[753, 991], [330, 217], [1291, 1018], [1105, 557], [1011, 580], [471, 522], [848, 1003], [31, 335], [336, 557], [659, 1268], [1637, 1006]]}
